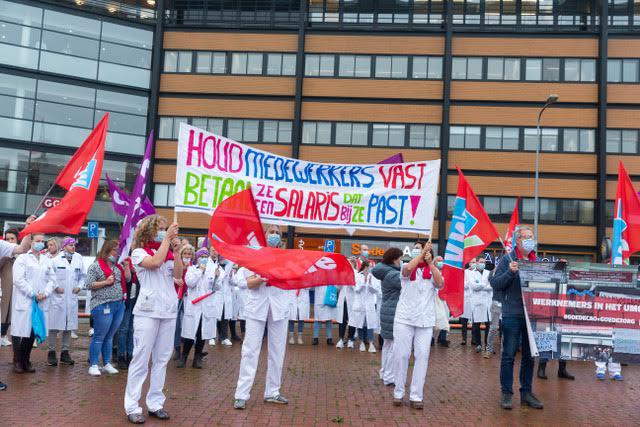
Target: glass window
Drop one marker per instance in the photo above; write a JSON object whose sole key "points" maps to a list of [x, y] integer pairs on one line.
{"points": [[548, 210], [203, 62], [586, 210], [613, 141], [630, 71], [70, 45], [127, 35], [184, 62], [288, 64], [166, 128], [420, 67], [219, 63], [571, 140], [551, 69], [392, 135], [327, 65], [530, 139], [170, 61], [495, 68], [323, 134], [234, 130], [588, 70], [614, 70], [459, 68], [316, 133], [19, 35], [424, 136], [474, 69], [17, 86], [572, 70], [160, 194], [534, 69], [493, 138], [435, 67], [549, 139], [274, 64], [115, 101], [66, 94], [270, 131], [512, 69], [383, 67], [587, 140], [569, 213], [250, 132], [284, 131], [456, 137], [125, 55], [20, 13], [18, 56], [69, 65], [472, 137], [510, 138], [363, 66], [215, 126], [630, 141], [399, 67], [122, 74], [346, 65], [312, 65], [68, 23]]}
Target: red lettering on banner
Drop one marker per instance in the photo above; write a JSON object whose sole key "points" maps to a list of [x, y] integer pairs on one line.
{"points": [[194, 147], [334, 205], [281, 199], [310, 205], [401, 176], [317, 213]]}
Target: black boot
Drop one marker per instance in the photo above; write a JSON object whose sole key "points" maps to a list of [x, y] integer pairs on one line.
{"points": [[542, 366], [562, 371], [182, 361], [329, 341], [65, 358], [52, 360], [315, 341], [176, 353], [197, 361]]}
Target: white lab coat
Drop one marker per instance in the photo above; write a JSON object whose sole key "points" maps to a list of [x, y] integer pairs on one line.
{"points": [[300, 306], [224, 298], [469, 276], [265, 299], [345, 294], [481, 293], [322, 312], [199, 284], [240, 290], [364, 302], [63, 308], [31, 275]]}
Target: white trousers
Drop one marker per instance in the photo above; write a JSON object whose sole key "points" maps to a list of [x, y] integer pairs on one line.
{"points": [[277, 345], [404, 337], [614, 368], [386, 365], [151, 337]]}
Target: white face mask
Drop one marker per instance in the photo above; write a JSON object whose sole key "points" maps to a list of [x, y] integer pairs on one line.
{"points": [[472, 266]]}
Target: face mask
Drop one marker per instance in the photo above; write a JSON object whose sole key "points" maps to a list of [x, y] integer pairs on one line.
{"points": [[186, 261], [112, 258], [38, 246], [529, 245], [480, 267], [68, 254], [160, 236], [273, 240], [472, 266], [203, 261], [439, 264], [415, 252], [365, 254]]}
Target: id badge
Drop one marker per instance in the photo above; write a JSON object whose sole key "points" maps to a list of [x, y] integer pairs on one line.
{"points": [[106, 311]]}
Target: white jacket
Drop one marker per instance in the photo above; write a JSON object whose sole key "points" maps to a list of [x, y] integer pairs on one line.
{"points": [[469, 277], [224, 298], [199, 284], [240, 290], [365, 291], [157, 297], [31, 275], [322, 312], [416, 305], [481, 293], [300, 306], [63, 308], [264, 299], [345, 294]]}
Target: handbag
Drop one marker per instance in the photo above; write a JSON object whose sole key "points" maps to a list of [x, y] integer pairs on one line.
{"points": [[442, 320], [37, 322], [331, 296]]}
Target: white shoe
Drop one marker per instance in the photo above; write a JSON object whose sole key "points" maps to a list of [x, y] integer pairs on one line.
{"points": [[94, 371], [91, 332], [362, 347], [372, 348], [227, 343], [291, 339], [74, 335], [5, 342], [300, 340], [109, 369], [212, 342], [35, 344], [340, 344], [350, 344]]}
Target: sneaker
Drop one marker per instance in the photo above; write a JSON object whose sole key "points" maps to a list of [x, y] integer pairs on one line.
{"points": [[160, 414], [487, 355], [617, 377], [362, 346], [416, 405], [329, 341], [531, 400], [226, 342], [506, 401], [350, 344], [340, 344], [600, 376], [315, 341], [74, 335], [109, 369], [397, 402], [94, 371], [478, 349], [372, 348], [212, 342], [239, 404], [136, 418], [291, 339], [3, 386], [5, 342], [52, 360], [35, 344], [280, 400], [300, 342], [91, 332]]}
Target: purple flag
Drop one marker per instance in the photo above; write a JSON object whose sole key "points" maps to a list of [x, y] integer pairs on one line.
{"points": [[396, 158], [120, 200], [134, 212]]}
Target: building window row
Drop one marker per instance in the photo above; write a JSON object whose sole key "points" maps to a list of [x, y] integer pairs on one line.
{"points": [[376, 66], [47, 40], [51, 112], [525, 69], [241, 130], [623, 70], [240, 63], [164, 195], [552, 211], [570, 140], [622, 141], [371, 134]]}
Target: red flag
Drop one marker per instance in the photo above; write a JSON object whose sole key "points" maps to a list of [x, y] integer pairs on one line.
{"points": [[626, 220], [80, 177], [471, 232], [236, 233], [508, 239]]}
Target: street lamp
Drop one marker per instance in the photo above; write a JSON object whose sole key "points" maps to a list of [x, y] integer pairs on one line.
{"points": [[553, 98]]}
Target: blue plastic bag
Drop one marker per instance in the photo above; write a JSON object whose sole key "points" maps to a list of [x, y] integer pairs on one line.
{"points": [[331, 296], [37, 322]]}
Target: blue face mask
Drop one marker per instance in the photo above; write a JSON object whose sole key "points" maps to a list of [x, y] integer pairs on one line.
{"points": [[112, 258], [365, 254], [529, 245], [415, 252], [160, 236], [480, 267], [203, 261], [273, 240], [439, 264], [38, 246]]}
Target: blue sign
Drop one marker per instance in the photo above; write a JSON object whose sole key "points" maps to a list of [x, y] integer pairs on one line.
{"points": [[92, 230], [329, 245]]}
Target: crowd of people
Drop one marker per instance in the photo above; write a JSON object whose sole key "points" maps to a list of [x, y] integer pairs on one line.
{"points": [[170, 297]]}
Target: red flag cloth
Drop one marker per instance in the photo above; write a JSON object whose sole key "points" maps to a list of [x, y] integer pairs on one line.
{"points": [[236, 234], [626, 220], [513, 223], [471, 231], [80, 177]]}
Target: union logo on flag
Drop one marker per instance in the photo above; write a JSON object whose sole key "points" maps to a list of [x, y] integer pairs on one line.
{"points": [[85, 176]]}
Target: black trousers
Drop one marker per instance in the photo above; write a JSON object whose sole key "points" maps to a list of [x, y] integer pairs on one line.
{"points": [[4, 328], [465, 323], [476, 339], [223, 327], [22, 347], [188, 343], [344, 326]]}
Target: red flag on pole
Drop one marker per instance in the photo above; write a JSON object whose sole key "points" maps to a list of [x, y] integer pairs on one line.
{"points": [[508, 238], [236, 233], [626, 220], [471, 231], [80, 177]]}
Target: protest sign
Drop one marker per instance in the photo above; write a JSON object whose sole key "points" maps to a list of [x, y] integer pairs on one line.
{"points": [[583, 311], [386, 197]]}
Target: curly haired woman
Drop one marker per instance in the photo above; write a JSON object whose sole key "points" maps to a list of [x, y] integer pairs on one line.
{"points": [[155, 314]]}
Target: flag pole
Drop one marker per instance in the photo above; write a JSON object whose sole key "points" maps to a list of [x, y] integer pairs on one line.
{"points": [[43, 199]]}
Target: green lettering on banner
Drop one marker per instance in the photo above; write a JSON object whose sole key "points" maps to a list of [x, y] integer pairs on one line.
{"points": [[358, 214], [226, 190], [192, 182], [203, 190]]}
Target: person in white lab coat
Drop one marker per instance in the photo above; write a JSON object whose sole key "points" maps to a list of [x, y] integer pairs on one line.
{"points": [[33, 276], [53, 247], [364, 315], [63, 304], [345, 302], [323, 313], [155, 313], [199, 321], [481, 294], [187, 255], [467, 313], [414, 322], [298, 311], [239, 300], [266, 306], [223, 299]]}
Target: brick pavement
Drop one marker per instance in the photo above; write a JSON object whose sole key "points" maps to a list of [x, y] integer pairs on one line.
{"points": [[324, 386]]}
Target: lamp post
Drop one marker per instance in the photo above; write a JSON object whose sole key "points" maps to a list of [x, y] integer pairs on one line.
{"points": [[536, 212]]}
